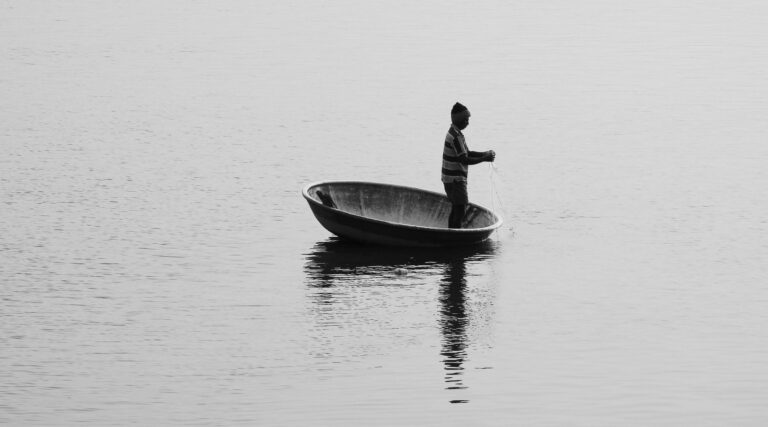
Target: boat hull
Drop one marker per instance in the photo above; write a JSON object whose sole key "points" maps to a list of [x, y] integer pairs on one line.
{"points": [[394, 215]]}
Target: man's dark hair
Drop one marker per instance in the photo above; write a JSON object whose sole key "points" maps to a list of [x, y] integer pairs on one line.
{"points": [[458, 108]]}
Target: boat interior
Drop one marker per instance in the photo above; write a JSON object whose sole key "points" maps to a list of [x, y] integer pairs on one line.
{"points": [[401, 205]]}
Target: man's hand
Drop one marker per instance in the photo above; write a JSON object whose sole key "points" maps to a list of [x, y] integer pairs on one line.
{"points": [[475, 157]]}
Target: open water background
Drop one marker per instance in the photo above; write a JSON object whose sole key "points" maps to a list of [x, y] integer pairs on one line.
{"points": [[158, 265]]}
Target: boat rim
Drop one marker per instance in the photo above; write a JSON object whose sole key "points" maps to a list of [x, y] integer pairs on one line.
{"points": [[495, 225]]}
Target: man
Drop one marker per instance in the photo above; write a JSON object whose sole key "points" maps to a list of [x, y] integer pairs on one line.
{"points": [[456, 161]]}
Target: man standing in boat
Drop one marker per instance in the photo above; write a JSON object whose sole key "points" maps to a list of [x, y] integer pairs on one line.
{"points": [[456, 161]]}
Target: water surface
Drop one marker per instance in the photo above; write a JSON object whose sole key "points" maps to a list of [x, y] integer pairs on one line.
{"points": [[159, 266]]}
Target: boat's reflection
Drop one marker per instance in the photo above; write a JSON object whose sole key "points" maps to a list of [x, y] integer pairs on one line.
{"points": [[336, 262], [332, 258]]}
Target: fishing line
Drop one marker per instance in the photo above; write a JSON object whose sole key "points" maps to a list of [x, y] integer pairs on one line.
{"points": [[492, 176], [490, 181], [493, 201]]}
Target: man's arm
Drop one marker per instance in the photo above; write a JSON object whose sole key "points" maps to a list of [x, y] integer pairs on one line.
{"points": [[475, 157]]}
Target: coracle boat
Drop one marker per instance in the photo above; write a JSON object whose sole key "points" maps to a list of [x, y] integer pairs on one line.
{"points": [[395, 215]]}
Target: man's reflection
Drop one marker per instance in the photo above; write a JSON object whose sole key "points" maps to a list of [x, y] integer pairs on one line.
{"points": [[334, 263], [454, 321]]}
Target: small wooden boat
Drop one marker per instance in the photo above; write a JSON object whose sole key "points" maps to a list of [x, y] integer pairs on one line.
{"points": [[395, 215]]}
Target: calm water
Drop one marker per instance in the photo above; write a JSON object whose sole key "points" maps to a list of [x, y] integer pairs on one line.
{"points": [[158, 265]]}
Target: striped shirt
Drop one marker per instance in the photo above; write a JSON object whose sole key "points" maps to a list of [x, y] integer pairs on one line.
{"points": [[455, 145]]}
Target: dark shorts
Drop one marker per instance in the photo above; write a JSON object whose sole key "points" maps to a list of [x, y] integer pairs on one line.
{"points": [[457, 192]]}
